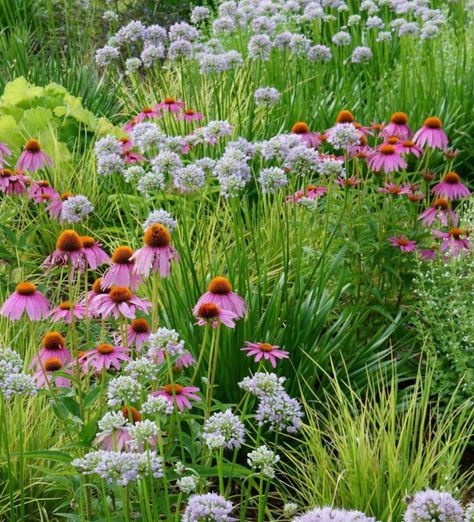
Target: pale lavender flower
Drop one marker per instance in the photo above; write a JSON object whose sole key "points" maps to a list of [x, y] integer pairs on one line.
{"points": [[361, 55], [329, 514], [266, 96], [108, 164], [299, 45], [433, 506], [319, 53], [76, 208], [131, 33], [189, 178], [161, 216], [260, 47], [223, 25], [123, 390], [280, 411], [262, 384], [282, 40], [183, 31], [209, 507], [264, 460], [271, 179], [157, 405], [228, 428], [263, 25], [199, 14], [187, 484], [180, 49], [341, 38], [106, 55], [342, 135], [374, 22], [151, 54], [155, 35], [132, 65]]}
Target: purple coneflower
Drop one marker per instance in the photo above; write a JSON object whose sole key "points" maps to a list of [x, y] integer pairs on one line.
{"points": [[431, 134], [41, 191], [95, 256], [96, 290], [404, 244], [33, 158], [385, 157], [55, 206], [438, 210], [398, 126], [129, 125], [169, 104], [46, 375], [213, 314], [395, 190], [311, 139], [148, 113], [25, 298], [53, 345], [266, 351], [347, 182], [451, 187], [68, 252], [184, 361], [105, 355], [220, 293], [4, 151], [66, 311], [409, 147], [189, 115], [428, 254], [12, 182], [453, 240], [121, 272], [175, 393], [131, 157], [157, 253], [138, 332], [311, 192], [120, 302]]}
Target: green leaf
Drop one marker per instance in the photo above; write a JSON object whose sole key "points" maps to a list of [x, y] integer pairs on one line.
{"points": [[18, 92]]}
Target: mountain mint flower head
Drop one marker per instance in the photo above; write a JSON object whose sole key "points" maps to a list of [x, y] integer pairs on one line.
{"points": [[157, 405], [75, 209], [209, 507], [224, 429], [123, 390], [328, 514], [433, 506], [266, 96], [264, 460]]}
